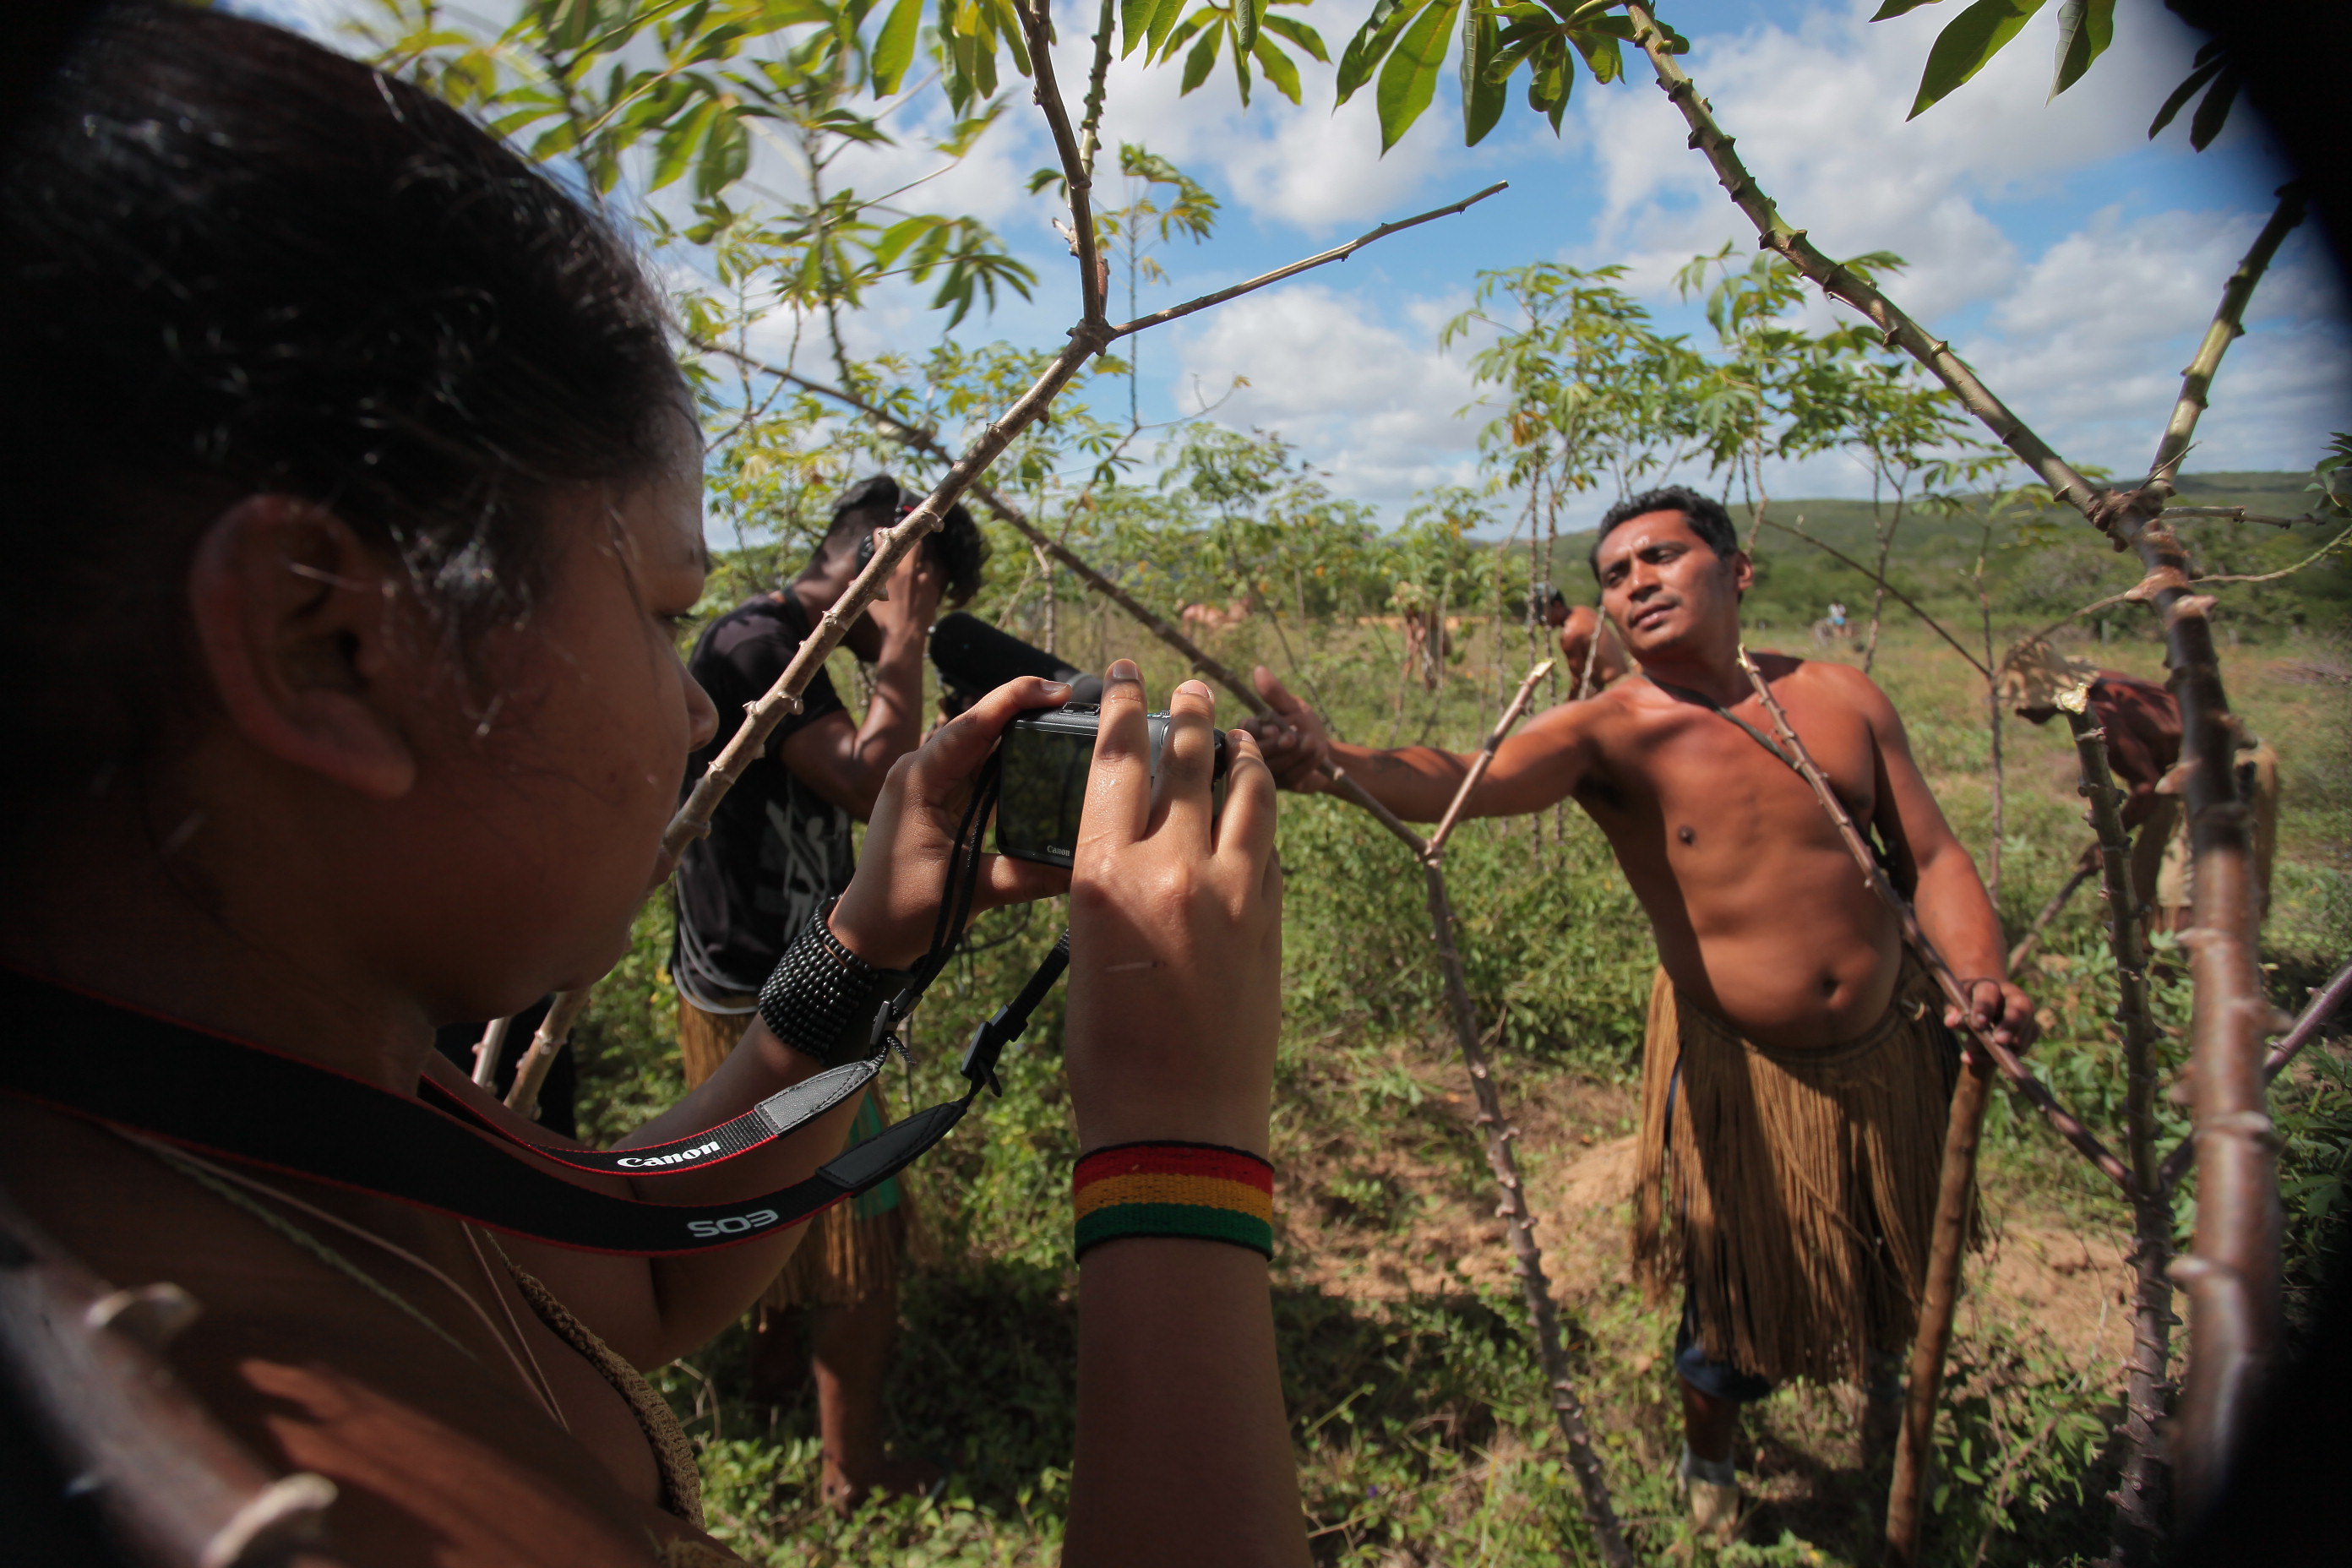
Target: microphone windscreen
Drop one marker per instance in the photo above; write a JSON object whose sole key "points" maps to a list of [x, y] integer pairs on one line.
{"points": [[973, 656]]}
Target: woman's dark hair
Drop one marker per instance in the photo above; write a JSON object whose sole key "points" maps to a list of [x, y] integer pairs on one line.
{"points": [[958, 547], [1704, 513], [233, 262]]}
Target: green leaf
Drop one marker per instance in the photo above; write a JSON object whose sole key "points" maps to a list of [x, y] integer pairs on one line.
{"points": [[1898, 8], [1964, 46], [1598, 48], [2208, 65], [2085, 28], [1135, 23], [1373, 42], [1298, 32], [1409, 80], [1163, 21], [1277, 67], [1484, 98], [726, 156], [2214, 110], [894, 47], [1203, 56], [1247, 15], [673, 153]]}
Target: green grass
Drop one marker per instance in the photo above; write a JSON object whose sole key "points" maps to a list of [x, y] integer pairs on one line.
{"points": [[1420, 1431]]}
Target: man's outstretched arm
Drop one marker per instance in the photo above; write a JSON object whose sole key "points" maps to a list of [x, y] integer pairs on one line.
{"points": [[1954, 910], [1535, 768]]}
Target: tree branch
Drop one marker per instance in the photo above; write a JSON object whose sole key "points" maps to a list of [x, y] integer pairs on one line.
{"points": [[2140, 1489], [1338, 253], [1485, 758], [2317, 1011], [1974, 662], [2226, 327], [1090, 127], [1077, 169]]}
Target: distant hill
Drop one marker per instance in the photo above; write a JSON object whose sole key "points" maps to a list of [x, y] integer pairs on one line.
{"points": [[2039, 566]]}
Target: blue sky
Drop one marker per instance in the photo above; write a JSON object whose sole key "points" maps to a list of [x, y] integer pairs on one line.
{"points": [[2073, 261]]}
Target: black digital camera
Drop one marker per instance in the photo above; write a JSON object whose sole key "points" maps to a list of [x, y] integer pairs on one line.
{"points": [[1045, 757]]}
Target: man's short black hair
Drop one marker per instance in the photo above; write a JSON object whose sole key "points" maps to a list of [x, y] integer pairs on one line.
{"points": [[958, 547], [1704, 513]]}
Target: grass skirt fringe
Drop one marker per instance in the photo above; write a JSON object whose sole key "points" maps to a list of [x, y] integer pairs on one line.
{"points": [[1796, 1190]]}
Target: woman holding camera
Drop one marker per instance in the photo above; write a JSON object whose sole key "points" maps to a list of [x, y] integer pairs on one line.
{"points": [[353, 509]]}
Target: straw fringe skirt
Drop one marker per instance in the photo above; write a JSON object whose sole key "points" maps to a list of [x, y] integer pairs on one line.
{"points": [[853, 1250], [1795, 1190]]}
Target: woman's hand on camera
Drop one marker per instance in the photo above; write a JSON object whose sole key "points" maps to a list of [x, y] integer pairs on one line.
{"points": [[1175, 933], [886, 916]]}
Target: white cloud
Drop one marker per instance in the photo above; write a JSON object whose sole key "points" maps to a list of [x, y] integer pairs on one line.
{"points": [[1373, 405]]}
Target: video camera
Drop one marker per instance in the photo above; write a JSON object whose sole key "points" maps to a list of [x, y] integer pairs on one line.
{"points": [[1045, 755]]}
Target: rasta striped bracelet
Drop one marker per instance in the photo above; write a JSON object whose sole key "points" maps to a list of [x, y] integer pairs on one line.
{"points": [[1201, 1190]]}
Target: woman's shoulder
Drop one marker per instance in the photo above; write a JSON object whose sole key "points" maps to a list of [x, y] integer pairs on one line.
{"points": [[308, 1370]]}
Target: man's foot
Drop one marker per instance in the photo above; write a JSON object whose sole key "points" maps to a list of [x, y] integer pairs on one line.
{"points": [[1713, 1488], [893, 1478]]}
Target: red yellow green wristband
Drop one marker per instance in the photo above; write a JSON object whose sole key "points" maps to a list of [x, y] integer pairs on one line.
{"points": [[1201, 1190]]}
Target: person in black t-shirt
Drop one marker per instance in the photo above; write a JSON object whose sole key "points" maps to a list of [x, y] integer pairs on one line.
{"points": [[779, 848]]}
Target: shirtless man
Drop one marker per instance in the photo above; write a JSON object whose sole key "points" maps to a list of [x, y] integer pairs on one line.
{"points": [[1796, 1082]]}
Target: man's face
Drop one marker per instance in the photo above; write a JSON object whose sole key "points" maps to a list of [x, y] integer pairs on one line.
{"points": [[1663, 584]]}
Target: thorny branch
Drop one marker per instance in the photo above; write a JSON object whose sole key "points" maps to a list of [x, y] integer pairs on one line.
{"points": [[1078, 168], [2231, 1272], [2141, 1487]]}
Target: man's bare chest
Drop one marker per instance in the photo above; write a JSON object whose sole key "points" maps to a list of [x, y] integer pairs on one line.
{"points": [[1687, 777]]}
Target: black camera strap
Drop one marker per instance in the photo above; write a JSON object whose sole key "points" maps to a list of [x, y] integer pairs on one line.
{"points": [[230, 1098]]}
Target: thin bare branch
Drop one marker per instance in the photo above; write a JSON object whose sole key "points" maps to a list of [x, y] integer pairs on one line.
{"points": [[1198, 658], [564, 1011], [1932, 623], [2069, 1127], [2316, 1012], [1336, 253], [2040, 923], [1484, 760], [2240, 514], [1077, 169]]}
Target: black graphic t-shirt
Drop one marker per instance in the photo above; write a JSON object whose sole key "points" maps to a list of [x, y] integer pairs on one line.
{"points": [[777, 849]]}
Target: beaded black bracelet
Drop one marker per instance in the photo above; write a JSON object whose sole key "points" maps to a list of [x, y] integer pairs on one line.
{"points": [[820, 998]]}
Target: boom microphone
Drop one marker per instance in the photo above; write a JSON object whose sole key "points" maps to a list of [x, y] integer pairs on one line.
{"points": [[974, 658]]}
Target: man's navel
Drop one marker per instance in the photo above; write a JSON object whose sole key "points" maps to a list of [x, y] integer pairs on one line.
{"points": [[1687, 835]]}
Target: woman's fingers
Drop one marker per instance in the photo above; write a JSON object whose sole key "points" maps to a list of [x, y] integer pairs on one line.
{"points": [[1246, 829], [945, 763], [1118, 788], [1006, 880], [1180, 800]]}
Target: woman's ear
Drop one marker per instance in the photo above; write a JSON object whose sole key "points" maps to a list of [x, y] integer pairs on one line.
{"points": [[295, 619]]}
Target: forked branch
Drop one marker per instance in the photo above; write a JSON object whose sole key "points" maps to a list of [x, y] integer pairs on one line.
{"points": [[1077, 167]]}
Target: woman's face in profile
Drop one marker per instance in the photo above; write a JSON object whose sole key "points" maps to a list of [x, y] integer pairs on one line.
{"points": [[548, 827]]}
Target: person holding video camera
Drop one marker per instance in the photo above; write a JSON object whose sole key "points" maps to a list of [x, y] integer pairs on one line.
{"points": [[779, 848]]}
